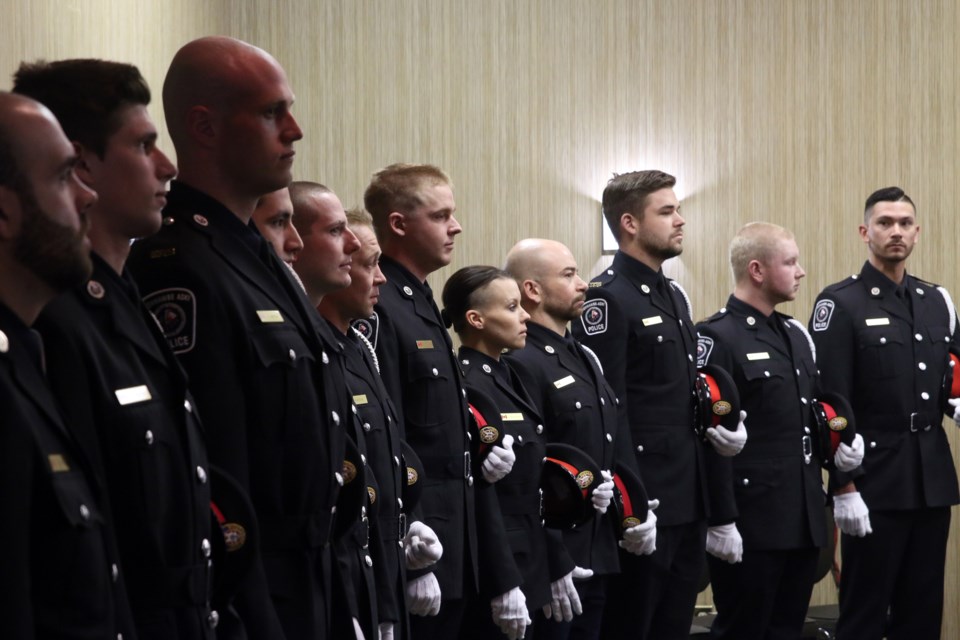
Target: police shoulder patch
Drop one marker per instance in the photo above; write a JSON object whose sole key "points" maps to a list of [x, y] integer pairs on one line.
{"points": [[594, 316], [176, 312], [368, 328], [822, 313], [704, 349]]}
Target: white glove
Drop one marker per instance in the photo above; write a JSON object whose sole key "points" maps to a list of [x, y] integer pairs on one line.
{"points": [[386, 631], [565, 601], [641, 539], [849, 457], [603, 494], [421, 547], [724, 542], [357, 631], [579, 573], [510, 613], [955, 403], [423, 595], [851, 514], [728, 443], [499, 461]]}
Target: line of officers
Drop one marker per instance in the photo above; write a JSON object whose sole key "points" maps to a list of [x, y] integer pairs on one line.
{"points": [[252, 423]]}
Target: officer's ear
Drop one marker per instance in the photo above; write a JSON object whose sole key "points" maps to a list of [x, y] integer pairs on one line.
{"points": [[532, 291], [628, 223], [397, 223], [475, 319], [202, 125], [11, 213], [87, 161], [755, 271]]}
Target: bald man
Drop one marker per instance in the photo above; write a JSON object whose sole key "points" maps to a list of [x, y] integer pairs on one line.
{"points": [[265, 370], [59, 563], [579, 408]]}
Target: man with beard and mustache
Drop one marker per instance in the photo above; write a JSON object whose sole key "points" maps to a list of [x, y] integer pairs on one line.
{"points": [[888, 335], [640, 325], [131, 411], [59, 566], [579, 408], [265, 370]]}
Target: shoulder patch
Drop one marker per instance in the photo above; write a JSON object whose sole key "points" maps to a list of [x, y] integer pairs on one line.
{"points": [[594, 316], [822, 314], [704, 349], [176, 313], [368, 328]]}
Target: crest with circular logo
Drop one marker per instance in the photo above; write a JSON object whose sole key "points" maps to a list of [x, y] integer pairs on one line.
{"points": [[722, 408], [349, 472], [489, 434], [234, 536], [584, 479], [838, 423]]}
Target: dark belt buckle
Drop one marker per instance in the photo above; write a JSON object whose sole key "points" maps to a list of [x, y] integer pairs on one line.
{"points": [[913, 426], [807, 449], [466, 465], [402, 527]]}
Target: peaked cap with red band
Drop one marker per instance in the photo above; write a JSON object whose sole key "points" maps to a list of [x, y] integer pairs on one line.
{"points": [[630, 499], [718, 401], [411, 489], [488, 431], [567, 481], [234, 552], [833, 416]]}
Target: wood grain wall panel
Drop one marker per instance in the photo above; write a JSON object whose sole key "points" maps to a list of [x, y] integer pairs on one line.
{"points": [[790, 112]]}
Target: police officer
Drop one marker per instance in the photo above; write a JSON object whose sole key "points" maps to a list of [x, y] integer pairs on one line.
{"points": [[58, 568], [274, 219], [579, 408], [413, 214], [768, 519], [263, 367], [887, 334], [639, 324], [131, 410]]}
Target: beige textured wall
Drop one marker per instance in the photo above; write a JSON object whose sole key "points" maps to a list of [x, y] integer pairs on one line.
{"points": [[788, 111]]}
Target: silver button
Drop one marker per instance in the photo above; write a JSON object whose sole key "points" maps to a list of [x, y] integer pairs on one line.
{"points": [[875, 291], [200, 220], [188, 406], [324, 357], [883, 340], [333, 509], [520, 439], [609, 438], [368, 560], [689, 357], [205, 548], [922, 366], [919, 291], [339, 478], [609, 272], [873, 445], [436, 373], [925, 395], [470, 481], [464, 361], [213, 619], [798, 371], [201, 475], [644, 288], [335, 417], [363, 458], [639, 448], [659, 338], [399, 503], [578, 405], [926, 428], [469, 437], [766, 373], [119, 636], [746, 481], [803, 400], [292, 354], [918, 337], [539, 428], [396, 460], [408, 291], [366, 426], [751, 320], [603, 402], [549, 349], [114, 572], [806, 430], [723, 309], [486, 369]]}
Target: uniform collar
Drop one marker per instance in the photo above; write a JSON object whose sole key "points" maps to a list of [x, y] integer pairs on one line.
{"points": [[635, 270], [193, 202], [872, 277]]}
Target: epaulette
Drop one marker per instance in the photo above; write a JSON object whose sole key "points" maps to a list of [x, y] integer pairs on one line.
{"points": [[846, 282], [603, 278], [722, 313]]}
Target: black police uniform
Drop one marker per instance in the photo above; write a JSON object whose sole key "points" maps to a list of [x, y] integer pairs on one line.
{"points": [[884, 347], [538, 553], [133, 415], [59, 566], [420, 372], [268, 380], [775, 491], [381, 431], [579, 408], [639, 324]]}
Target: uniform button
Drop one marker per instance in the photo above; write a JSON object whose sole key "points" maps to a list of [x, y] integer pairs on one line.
{"points": [[368, 560], [148, 437], [798, 371], [366, 426], [617, 400], [873, 445], [396, 460], [926, 428], [335, 417], [205, 548], [925, 395], [188, 406], [201, 475], [114, 572], [609, 272], [919, 291], [751, 320], [766, 373], [922, 366], [464, 392], [292, 354], [689, 357], [746, 481], [324, 357], [883, 340], [875, 291], [549, 349], [520, 439], [363, 458], [806, 430], [644, 288], [470, 481], [408, 291], [639, 448], [659, 338], [389, 419], [84, 512], [119, 636], [436, 373], [609, 438], [918, 337], [213, 619], [803, 400], [464, 362], [603, 402], [399, 503], [333, 509], [577, 404], [469, 437], [539, 428], [339, 478]]}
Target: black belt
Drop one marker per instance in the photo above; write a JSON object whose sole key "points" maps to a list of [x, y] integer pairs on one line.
{"points": [[450, 467], [915, 422], [168, 586], [296, 532], [393, 529]]}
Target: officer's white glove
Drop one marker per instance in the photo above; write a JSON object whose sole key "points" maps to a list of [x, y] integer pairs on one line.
{"points": [[955, 403], [728, 443], [423, 595], [641, 539], [499, 461], [564, 600], [579, 573], [421, 547], [849, 457], [851, 514], [357, 631], [603, 494], [724, 542], [386, 631], [510, 613]]}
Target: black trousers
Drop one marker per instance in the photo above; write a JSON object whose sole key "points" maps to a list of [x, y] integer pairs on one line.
{"points": [[899, 567], [765, 597], [593, 596], [653, 596]]}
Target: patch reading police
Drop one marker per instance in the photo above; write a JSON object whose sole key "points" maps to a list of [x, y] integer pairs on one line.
{"points": [[822, 314], [176, 312], [368, 328], [704, 349], [594, 317]]}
